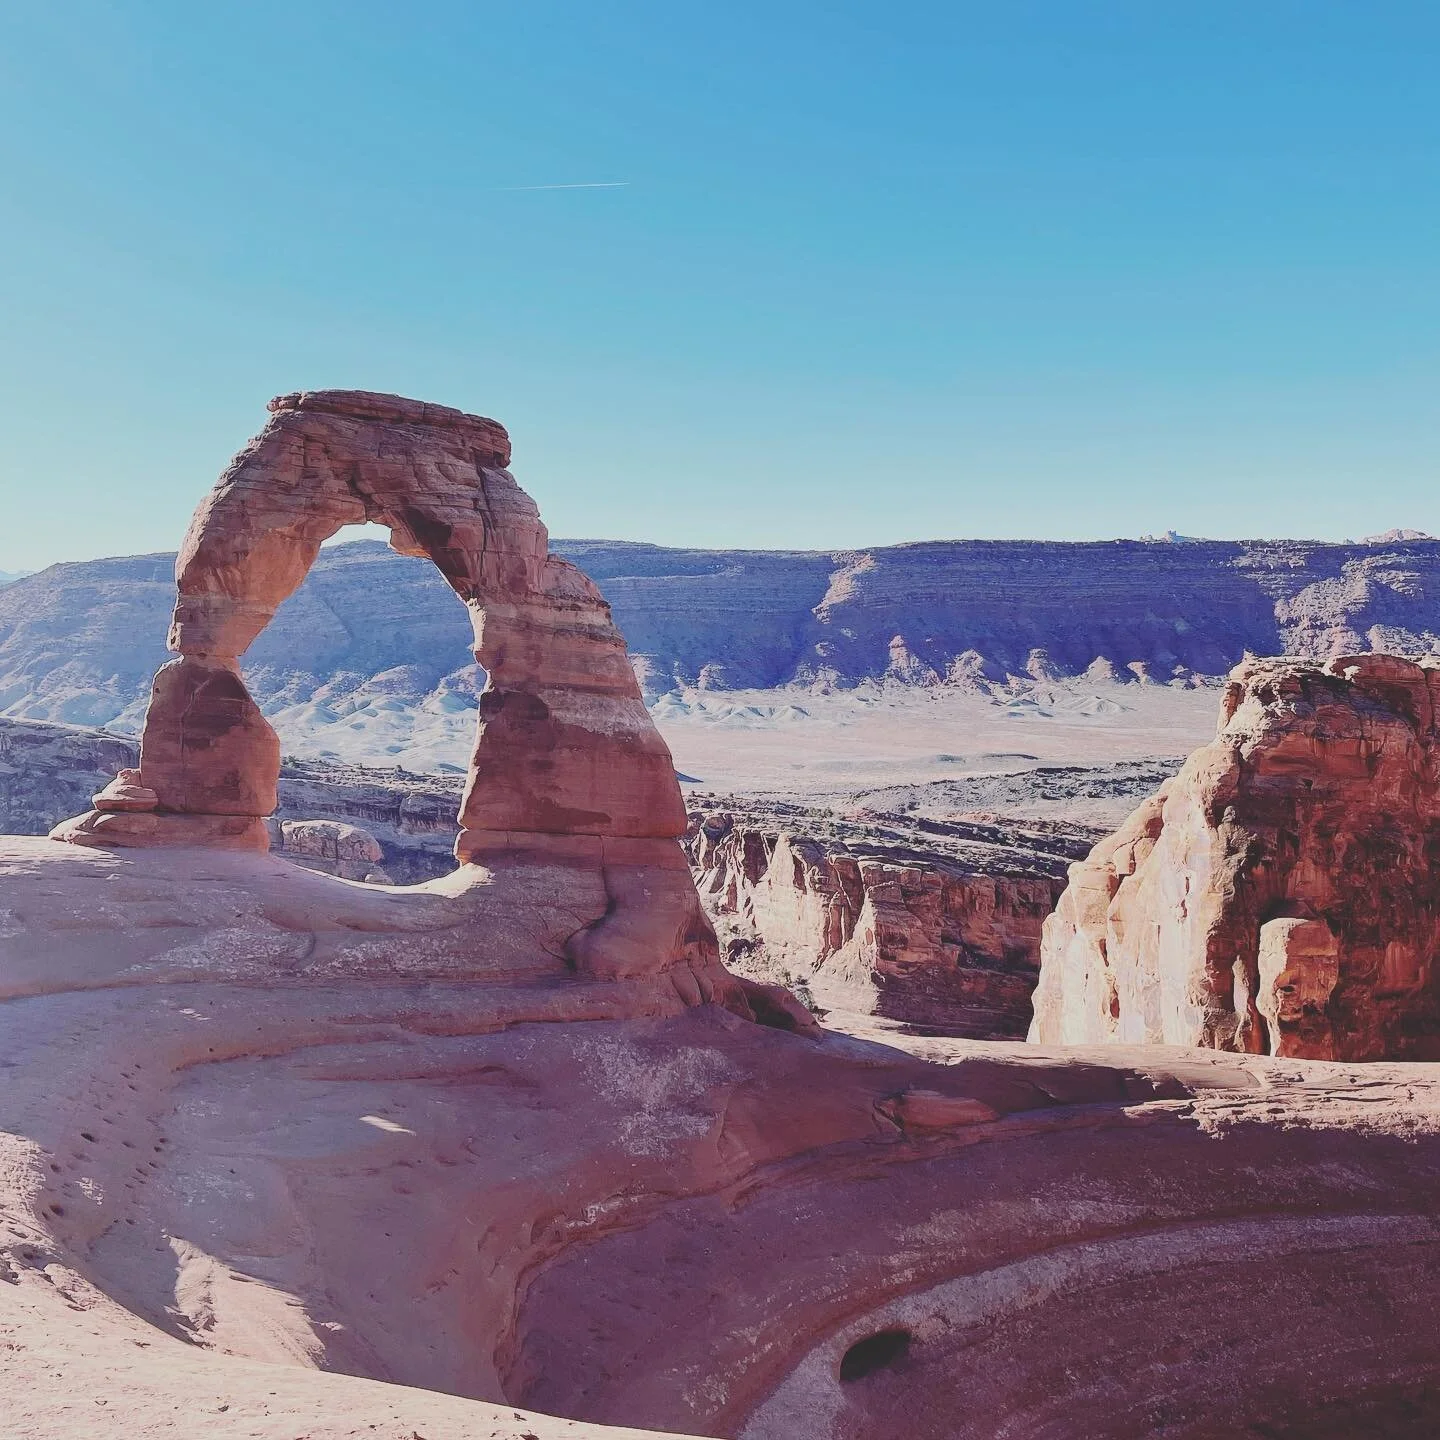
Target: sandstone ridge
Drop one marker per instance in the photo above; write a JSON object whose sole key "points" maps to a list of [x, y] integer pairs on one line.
{"points": [[1282, 893]]}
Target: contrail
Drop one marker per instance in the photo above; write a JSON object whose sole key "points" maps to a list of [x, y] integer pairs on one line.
{"points": [[583, 185]]}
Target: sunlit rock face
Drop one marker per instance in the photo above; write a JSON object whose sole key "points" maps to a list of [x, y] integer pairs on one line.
{"points": [[1281, 894]]}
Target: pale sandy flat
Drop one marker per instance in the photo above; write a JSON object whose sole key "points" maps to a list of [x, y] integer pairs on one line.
{"points": [[826, 747]]}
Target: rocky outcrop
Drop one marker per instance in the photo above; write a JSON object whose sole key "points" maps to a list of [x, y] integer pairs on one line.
{"points": [[1281, 894], [568, 772], [331, 848], [931, 924]]}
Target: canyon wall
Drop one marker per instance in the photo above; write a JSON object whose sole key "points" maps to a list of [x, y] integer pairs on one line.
{"points": [[931, 924], [1282, 893]]}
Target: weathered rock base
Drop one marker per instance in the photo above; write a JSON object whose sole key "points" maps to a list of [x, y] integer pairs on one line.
{"points": [[110, 828], [263, 1123]]}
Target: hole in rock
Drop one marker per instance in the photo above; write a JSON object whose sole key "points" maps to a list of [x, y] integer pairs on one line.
{"points": [[873, 1353], [768, 1011]]}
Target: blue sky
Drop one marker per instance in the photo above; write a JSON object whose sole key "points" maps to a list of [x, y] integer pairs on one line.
{"points": [[874, 272]]}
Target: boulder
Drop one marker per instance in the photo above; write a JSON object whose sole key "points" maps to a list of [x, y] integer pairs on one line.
{"points": [[334, 848]]}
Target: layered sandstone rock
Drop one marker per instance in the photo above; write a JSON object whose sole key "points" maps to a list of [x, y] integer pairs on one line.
{"points": [[1282, 893], [568, 770], [930, 924]]}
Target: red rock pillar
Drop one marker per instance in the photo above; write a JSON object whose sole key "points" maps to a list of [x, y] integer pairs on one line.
{"points": [[569, 771]]}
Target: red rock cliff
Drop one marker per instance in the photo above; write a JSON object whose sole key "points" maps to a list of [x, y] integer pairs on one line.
{"points": [[938, 929], [1282, 893]]}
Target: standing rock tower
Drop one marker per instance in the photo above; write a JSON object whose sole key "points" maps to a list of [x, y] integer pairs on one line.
{"points": [[1281, 894]]}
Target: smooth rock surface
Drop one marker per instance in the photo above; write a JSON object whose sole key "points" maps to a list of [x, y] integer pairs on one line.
{"points": [[263, 1124]]}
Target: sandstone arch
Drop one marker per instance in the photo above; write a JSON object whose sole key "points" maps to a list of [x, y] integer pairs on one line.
{"points": [[567, 762]]}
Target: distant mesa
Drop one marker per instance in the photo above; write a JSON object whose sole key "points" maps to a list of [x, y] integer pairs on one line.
{"points": [[369, 658]]}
